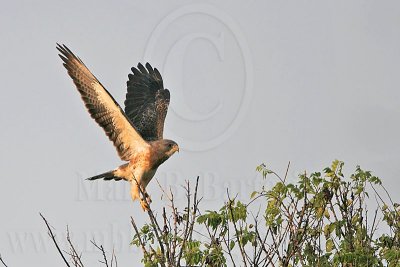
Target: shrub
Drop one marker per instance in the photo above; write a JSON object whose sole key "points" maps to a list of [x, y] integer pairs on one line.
{"points": [[323, 219]]}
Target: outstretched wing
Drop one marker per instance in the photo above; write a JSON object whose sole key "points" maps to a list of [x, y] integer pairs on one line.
{"points": [[102, 106], [147, 101]]}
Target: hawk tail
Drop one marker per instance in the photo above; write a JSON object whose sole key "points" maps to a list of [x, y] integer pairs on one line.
{"points": [[106, 176]]}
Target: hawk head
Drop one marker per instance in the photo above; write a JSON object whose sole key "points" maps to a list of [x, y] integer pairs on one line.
{"points": [[169, 147], [163, 149]]}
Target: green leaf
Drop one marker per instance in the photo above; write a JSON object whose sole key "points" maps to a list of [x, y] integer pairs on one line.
{"points": [[232, 245], [326, 214], [329, 245], [327, 230]]}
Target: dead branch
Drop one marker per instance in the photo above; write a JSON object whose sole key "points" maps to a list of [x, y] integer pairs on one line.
{"points": [[53, 237], [242, 251], [101, 248], [76, 258], [2, 261], [139, 238]]}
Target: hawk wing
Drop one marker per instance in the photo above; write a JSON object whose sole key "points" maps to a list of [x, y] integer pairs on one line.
{"points": [[147, 101], [102, 106]]}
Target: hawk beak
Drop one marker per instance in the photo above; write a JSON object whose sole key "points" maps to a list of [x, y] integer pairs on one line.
{"points": [[177, 148]]}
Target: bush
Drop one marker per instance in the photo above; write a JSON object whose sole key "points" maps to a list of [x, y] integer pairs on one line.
{"points": [[324, 219]]}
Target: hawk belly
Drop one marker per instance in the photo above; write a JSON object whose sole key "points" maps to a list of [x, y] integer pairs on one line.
{"points": [[135, 173], [141, 176]]}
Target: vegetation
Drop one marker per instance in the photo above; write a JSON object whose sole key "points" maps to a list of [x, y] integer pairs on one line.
{"points": [[323, 219]]}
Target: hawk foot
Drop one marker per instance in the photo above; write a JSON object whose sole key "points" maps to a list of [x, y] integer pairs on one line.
{"points": [[145, 205], [148, 199]]}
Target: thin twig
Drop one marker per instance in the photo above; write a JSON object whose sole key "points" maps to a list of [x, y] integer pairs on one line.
{"points": [[114, 258], [74, 255], [195, 209], [138, 234], [101, 248], [154, 222], [185, 235], [2, 261], [242, 252], [287, 170], [53, 237], [165, 237], [176, 222]]}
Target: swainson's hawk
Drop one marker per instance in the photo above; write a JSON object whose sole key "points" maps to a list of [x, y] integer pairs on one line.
{"points": [[137, 133]]}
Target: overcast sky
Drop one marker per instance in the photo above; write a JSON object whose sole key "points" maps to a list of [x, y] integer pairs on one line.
{"points": [[265, 81]]}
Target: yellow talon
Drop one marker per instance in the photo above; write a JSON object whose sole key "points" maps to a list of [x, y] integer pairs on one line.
{"points": [[145, 206]]}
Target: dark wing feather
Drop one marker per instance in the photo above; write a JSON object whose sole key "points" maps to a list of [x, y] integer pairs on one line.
{"points": [[102, 106], [147, 101]]}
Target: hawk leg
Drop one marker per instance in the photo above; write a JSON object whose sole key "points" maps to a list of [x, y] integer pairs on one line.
{"points": [[148, 199], [144, 199]]}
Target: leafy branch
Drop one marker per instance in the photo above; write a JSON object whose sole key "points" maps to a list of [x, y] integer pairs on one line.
{"points": [[322, 219]]}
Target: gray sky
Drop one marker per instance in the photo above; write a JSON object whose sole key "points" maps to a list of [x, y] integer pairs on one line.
{"points": [[272, 81]]}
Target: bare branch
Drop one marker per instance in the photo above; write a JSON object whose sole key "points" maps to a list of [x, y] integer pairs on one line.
{"points": [[242, 251], [195, 209], [154, 222], [114, 259], [101, 248], [138, 234], [53, 237], [2, 261], [76, 258], [185, 235], [286, 173]]}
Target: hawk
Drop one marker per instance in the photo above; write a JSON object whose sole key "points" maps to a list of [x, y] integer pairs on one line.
{"points": [[137, 132]]}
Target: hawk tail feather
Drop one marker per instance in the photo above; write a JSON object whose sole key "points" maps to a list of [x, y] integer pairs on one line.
{"points": [[106, 176]]}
